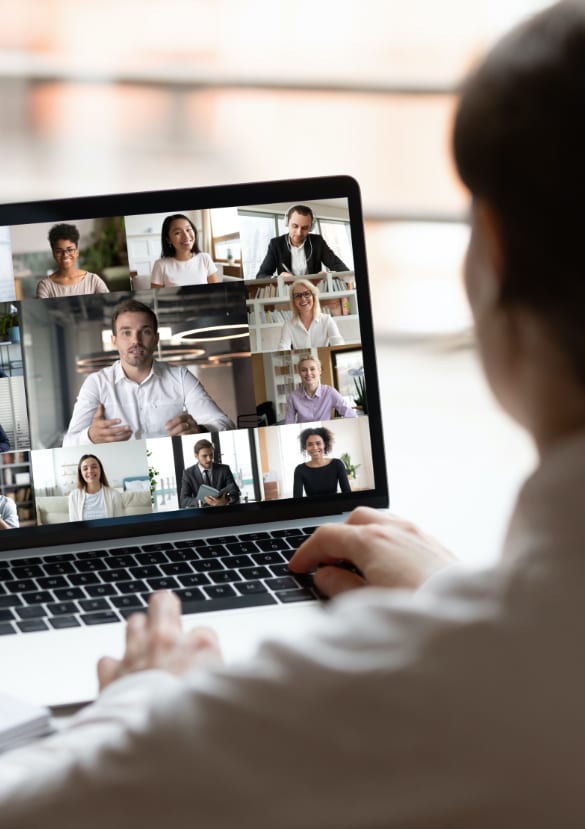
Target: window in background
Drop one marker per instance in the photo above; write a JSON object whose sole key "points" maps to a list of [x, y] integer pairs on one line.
{"points": [[235, 451], [256, 231], [225, 236], [13, 413], [338, 237], [161, 468]]}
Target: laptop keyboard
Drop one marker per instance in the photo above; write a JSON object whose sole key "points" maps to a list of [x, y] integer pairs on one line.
{"points": [[103, 586]]}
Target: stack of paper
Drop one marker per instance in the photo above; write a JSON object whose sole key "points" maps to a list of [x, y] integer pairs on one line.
{"points": [[21, 722]]}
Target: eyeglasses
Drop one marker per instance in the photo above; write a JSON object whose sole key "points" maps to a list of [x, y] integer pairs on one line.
{"points": [[62, 251], [304, 295]]}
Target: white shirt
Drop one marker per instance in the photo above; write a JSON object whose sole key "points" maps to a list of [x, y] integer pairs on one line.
{"points": [[171, 272], [298, 260], [94, 506], [458, 706], [8, 511], [322, 331], [145, 407], [110, 500]]}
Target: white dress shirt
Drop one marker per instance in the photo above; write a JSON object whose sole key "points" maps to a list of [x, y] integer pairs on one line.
{"points": [[145, 407], [322, 331], [298, 260], [457, 706]]}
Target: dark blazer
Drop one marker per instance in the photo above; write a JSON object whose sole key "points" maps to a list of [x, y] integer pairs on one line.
{"points": [[220, 475], [4, 442], [317, 251]]}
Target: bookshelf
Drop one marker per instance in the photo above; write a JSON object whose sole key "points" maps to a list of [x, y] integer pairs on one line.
{"points": [[268, 306], [279, 372], [15, 483]]}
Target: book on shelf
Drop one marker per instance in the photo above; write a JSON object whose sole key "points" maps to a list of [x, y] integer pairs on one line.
{"points": [[335, 307], [338, 284], [21, 722], [22, 494]]}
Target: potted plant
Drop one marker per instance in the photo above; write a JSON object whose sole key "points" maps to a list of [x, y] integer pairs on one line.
{"points": [[350, 468], [10, 325], [107, 254], [152, 477], [360, 400]]}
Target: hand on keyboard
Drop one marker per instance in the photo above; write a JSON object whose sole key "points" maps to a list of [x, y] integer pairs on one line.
{"points": [[156, 640], [371, 548]]}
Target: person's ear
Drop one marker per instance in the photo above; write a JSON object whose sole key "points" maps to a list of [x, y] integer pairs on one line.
{"points": [[492, 229], [485, 259]]}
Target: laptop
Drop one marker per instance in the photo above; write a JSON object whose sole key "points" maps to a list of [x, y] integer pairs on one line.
{"points": [[289, 436]]}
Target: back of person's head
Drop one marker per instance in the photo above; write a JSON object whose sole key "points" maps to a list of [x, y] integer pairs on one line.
{"points": [[167, 248], [63, 233], [299, 286], [133, 306], [519, 141]]}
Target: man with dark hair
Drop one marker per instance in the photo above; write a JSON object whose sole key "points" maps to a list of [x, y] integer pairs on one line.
{"points": [[4, 440], [299, 252], [138, 396], [206, 472]]}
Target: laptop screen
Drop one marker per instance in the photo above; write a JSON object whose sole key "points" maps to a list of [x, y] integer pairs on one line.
{"points": [[184, 360]]}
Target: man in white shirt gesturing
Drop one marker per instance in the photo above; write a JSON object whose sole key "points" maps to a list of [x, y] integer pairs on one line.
{"points": [[138, 396]]}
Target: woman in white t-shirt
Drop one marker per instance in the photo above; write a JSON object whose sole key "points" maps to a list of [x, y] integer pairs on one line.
{"points": [[181, 262], [94, 497]]}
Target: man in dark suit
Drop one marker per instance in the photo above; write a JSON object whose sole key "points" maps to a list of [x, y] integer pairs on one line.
{"points": [[4, 441], [205, 471], [299, 251]]}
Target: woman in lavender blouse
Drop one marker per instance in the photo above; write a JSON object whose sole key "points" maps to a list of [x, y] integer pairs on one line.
{"points": [[314, 401]]}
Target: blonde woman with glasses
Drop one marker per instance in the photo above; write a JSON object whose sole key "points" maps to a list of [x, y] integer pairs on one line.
{"points": [[309, 326]]}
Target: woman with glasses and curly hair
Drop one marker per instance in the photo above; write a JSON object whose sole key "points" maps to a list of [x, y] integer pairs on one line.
{"points": [[68, 279]]}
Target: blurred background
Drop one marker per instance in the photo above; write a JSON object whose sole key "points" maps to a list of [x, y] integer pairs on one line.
{"points": [[99, 97]]}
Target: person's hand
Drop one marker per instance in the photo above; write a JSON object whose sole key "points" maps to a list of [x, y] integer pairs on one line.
{"points": [[285, 273], [156, 640], [183, 424], [386, 550], [103, 430], [4, 525], [222, 501]]}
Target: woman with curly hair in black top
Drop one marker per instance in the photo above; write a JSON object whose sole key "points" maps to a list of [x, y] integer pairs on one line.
{"points": [[319, 475]]}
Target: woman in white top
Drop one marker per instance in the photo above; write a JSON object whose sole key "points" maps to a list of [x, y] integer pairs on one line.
{"points": [[68, 279], [181, 262], [308, 327], [94, 497]]}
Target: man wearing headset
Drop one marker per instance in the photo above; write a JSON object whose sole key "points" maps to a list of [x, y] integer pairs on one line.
{"points": [[299, 252]]}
